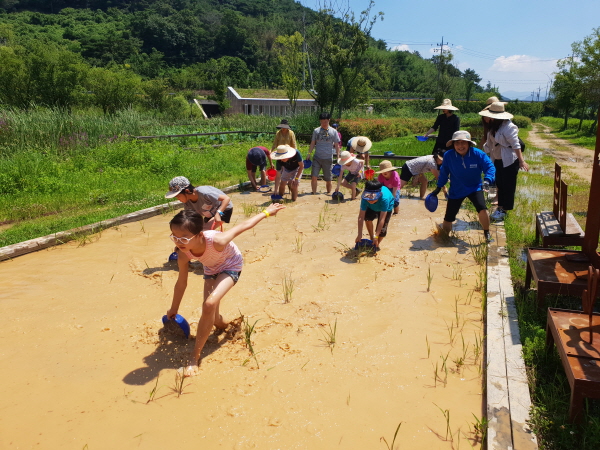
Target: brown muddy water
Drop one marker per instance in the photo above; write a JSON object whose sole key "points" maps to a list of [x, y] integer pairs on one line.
{"points": [[83, 344]]}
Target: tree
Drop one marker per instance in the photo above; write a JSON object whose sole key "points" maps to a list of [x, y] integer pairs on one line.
{"points": [[587, 69], [336, 50], [566, 88], [292, 60], [113, 88], [471, 80]]}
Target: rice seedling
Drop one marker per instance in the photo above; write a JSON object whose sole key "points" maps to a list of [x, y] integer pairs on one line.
{"points": [[480, 427], [391, 447], [330, 336], [301, 368], [348, 399], [429, 277], [180, 382], [111, 278], [428, 347], [143, 229], [299, 243], [249, 330], [154, 390], [477, 346], [450, 328], [456, 299], [250, 209], [446, 414], [288, 287]]}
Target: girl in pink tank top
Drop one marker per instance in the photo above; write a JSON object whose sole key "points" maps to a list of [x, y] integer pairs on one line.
{"points": [[222, 262]]}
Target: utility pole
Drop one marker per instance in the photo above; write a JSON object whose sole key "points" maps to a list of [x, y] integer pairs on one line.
{"points": [[538, 94], [441, 50], [532, 96]]}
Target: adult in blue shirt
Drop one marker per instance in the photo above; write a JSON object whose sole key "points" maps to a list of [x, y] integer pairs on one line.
{"points": [[464, 164], [377, 203]]}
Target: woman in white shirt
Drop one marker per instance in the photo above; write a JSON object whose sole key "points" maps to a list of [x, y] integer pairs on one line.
{"points": [[503, 147]]}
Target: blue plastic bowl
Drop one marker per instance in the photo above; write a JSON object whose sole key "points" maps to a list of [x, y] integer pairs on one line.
{"points": [[264, 188], [422, 138], [335, 170], [388, 153], [431, 202], [276, 197], [179, 320], [173, 256], [307, 163], [365, 243]]}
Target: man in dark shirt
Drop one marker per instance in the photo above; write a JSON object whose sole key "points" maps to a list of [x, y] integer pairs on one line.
{"points": [[447, 122]]}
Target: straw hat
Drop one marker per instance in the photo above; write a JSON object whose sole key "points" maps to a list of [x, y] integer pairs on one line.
{"points": [[496, 111], [385, 166], [491, 100], [461, 135], [283, 152], [284, 124], [345, 158], [361, 144], [447, 104]]}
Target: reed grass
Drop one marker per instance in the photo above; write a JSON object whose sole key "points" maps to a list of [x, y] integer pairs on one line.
{"points": [[288, 287], [391, 447], [329, 336]]}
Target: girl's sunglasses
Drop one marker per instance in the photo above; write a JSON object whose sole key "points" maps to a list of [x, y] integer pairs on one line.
{"points": [[182, 240]]}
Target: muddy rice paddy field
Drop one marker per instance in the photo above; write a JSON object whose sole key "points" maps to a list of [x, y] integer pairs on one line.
{"points": [[363, 343]]}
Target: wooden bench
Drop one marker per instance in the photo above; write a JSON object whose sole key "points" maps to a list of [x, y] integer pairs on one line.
{"points": [[558, 227], [560, 271], [573, 332]]}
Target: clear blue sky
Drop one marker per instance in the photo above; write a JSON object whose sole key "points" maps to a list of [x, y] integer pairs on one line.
{"points": [[512, 43]]}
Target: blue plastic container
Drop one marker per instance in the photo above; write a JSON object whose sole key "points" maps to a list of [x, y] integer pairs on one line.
{"points": [[422, 138], [173, 256], [388, 153], [276, 197], [431, 202], [307, 163], [264, 188], [337, 196], [335, 170], [364, 243], [179, 320]]}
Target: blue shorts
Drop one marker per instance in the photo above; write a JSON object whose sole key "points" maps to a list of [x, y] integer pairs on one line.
{"points": [[235, 276]]}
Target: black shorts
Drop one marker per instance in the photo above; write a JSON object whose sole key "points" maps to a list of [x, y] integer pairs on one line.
{"points": [[454, 204], [371, 215], [405, 173], [226, 217]]}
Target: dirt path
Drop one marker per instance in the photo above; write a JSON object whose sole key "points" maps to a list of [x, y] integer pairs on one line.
{"points": [[83, 345], [575, 158]]}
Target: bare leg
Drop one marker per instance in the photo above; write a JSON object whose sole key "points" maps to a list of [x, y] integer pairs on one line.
{"points": [[214, 291], [484, 219], [263, 177], [328, 186], [447, 226], [423, 186], [277, 182], [313, 184], [294, 189]]}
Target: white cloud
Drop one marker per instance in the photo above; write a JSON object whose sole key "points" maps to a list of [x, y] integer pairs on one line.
{"points": [[523, 64], [402, 48]]}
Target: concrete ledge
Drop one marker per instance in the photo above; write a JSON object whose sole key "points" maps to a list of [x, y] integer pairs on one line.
{"points": [[508, 399], [33, 245]]}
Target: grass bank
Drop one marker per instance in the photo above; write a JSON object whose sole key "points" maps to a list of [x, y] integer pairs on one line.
{"points": [[573, 133]]}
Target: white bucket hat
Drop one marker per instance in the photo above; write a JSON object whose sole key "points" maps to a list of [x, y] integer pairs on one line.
{"points": [[361, 144], [345, 157], [496, 111], [447, 104], [283, 152], [461, 135]]}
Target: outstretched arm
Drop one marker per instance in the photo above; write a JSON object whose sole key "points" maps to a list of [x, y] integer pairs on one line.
{"points": [[180, 284], [220, 240]]}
